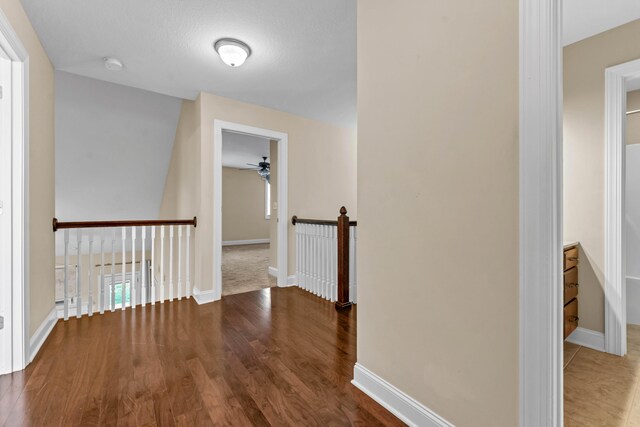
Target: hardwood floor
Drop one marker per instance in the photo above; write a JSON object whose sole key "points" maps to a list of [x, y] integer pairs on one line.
{"points": [[601, 389], [278, 357]]}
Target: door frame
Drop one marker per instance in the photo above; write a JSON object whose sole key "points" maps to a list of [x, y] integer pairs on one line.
{"points": [[11, 45], [615, 237], [282, 211], [540, 175]]}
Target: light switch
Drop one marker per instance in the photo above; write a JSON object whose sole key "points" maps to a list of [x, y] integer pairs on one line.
{"points": [[275, 206]]}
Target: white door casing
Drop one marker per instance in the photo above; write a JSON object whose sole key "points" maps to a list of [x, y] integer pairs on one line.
{"points": [[14, 196], [282, 211]]}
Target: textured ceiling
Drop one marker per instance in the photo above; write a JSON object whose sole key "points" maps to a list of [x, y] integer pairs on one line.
{"points": [[586, 18], [238, 149], [303, 61]]}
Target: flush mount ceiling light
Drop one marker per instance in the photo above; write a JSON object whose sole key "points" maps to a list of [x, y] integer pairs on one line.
{"points": [[232, 52], [113, 64]]}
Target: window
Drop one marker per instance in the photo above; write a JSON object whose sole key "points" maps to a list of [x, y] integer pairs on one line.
{"points": [[118, 294], [267, 200]]}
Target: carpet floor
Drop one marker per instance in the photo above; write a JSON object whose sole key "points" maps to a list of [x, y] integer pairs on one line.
{"points": [[245, 268]]}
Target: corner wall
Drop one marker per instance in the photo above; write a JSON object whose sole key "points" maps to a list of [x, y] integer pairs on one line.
{"points": [[438, 204], [41, 166]]}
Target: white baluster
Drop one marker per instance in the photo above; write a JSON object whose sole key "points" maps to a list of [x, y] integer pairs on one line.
{"points": [[134, 282], [162, 264], [353, 271], [91, 267], [152, 297], [66, 274], [112, 300], [315, 259], [79, 277], [179, 262], [325, 262], [101, 302], [306, 252], [171, 263], [124, 268], [298, 274], [188, 260], [143, 267]]}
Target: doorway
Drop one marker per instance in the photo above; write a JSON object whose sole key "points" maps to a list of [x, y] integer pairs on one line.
{"points": [[278, 148], [249, 170], [14, 326]]}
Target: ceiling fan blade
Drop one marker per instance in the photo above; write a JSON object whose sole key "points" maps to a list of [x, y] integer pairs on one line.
{"points": [[251, 164], [248, 169]]}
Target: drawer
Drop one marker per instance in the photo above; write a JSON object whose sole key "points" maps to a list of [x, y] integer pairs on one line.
{"points": [[570, 284], [570, 258], [570, 317]]}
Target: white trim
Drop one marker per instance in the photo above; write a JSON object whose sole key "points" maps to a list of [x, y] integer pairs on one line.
{"points": [[15, 50], [204, 297], [403, 406], [615, 291], [267, 199], [40, 335], [245, 242], [283, 223], [587, 338], [540, 176], [291, 280], [272, 271]]}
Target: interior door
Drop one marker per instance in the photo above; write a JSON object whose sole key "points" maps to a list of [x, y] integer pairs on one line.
{"points": [[5, 216]]}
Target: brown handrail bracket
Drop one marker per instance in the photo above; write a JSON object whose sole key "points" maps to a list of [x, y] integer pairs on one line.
{"points": [[57, 225]]}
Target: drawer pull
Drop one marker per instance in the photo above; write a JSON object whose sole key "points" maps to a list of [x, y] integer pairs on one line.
{"points": [[574, 319], [573, 285], [573, 258]]}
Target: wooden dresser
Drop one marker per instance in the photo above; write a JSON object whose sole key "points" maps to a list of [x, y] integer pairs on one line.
{"points": [[570, 289]]}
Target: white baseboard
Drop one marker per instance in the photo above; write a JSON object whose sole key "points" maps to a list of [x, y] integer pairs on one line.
{"points": [[273, 271], [41, 334], [395, 401], [203, 297], [587, 338], [245, 242], [291, 280]]}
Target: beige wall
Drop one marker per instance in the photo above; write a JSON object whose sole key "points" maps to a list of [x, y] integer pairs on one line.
{"points": [[322, 169], [181, 197], [243, 204], [438, 204], [41, 166], [584, 66], [633, 120]]}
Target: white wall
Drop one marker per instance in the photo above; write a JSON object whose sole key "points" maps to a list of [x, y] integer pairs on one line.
{"points": [[113, 147]]}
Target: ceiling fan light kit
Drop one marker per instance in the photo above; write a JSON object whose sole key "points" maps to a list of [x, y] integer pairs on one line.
{"points": [[263, 168]]}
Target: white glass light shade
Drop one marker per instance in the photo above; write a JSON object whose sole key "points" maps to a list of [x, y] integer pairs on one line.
{"points": [[232, 52]]}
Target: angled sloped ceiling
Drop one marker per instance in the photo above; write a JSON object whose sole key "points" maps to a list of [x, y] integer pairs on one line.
{"points": [[113, 147]]}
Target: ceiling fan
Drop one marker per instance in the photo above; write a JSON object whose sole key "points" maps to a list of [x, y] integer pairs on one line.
{"points": [[263, 168]]}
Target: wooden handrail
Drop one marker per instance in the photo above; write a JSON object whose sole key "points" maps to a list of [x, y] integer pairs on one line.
{"points": [[295, 220], [57, 225]]}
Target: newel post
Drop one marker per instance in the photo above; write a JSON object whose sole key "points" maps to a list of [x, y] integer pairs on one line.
{"points": [[343, 261]]}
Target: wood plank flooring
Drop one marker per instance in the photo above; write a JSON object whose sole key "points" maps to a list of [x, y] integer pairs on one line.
{"points": [[601, 389], [278, 357]]}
